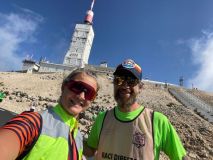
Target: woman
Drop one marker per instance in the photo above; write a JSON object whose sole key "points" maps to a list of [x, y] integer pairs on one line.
{"points": [[51, 134]]}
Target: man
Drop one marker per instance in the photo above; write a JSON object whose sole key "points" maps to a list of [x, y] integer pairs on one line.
{"points": [[52, 134], [131, 131]]}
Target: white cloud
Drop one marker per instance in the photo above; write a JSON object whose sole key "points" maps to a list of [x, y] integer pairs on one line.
{"points": [[15, 30], [202, 52]]}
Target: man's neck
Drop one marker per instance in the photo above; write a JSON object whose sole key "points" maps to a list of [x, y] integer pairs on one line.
{"points": [[129, 108]]}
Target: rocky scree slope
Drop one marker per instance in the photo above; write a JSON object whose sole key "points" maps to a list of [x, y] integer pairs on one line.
{"points": [[23, 89]]}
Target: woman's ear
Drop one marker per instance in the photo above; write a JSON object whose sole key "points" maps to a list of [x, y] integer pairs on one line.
{"points": [[62, 87]]}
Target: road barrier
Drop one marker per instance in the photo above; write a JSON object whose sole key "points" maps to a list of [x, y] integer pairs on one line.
{"points": [[194, 103]]}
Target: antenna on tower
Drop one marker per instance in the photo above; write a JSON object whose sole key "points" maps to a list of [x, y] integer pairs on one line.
{"points": [[89, 14], [31, 57], [91, 7]]}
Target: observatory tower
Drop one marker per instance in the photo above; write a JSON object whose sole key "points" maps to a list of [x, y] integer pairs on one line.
{"points": [[79, 50]]}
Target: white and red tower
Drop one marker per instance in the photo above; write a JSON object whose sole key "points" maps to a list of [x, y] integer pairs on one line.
{"points": [[81, 44]]}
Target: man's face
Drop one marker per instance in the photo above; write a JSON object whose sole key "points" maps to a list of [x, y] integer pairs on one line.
{"points": [[74, 98], [126, 89]]}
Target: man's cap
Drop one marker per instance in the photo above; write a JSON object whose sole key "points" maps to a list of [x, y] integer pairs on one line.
{"points": [[129, 66]]}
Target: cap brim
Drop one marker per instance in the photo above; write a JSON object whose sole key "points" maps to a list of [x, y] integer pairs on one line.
{"points": [[124, 72]]}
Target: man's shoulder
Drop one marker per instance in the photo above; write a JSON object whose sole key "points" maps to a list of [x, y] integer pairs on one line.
{"points": [[160, 117], [102, 113]]}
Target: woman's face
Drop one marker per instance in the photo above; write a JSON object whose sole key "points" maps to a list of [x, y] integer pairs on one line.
{"points": [[74, 97]]}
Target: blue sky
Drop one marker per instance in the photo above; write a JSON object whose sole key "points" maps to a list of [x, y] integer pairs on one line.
{"points": [[168, 38]]}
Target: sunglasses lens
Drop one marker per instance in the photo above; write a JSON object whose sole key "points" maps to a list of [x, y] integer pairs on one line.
{"points": [[118, 81], [90, 94], [132, 81], [78, 87], [129, 80]]}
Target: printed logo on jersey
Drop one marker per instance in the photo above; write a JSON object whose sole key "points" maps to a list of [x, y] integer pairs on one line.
{"points": [[138, 139]]}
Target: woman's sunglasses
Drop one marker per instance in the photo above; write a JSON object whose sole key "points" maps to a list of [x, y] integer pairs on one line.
{"points": [[131, 81], [78, 87]]}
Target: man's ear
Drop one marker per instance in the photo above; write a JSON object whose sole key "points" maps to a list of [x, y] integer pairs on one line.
{"points": [[141, 85]]}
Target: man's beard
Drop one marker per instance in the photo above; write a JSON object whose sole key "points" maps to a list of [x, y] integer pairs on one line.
{"points": [[123, 103]]}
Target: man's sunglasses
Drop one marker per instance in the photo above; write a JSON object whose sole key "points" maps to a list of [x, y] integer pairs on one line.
{"points": [[131, 81], [78, 87]]}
